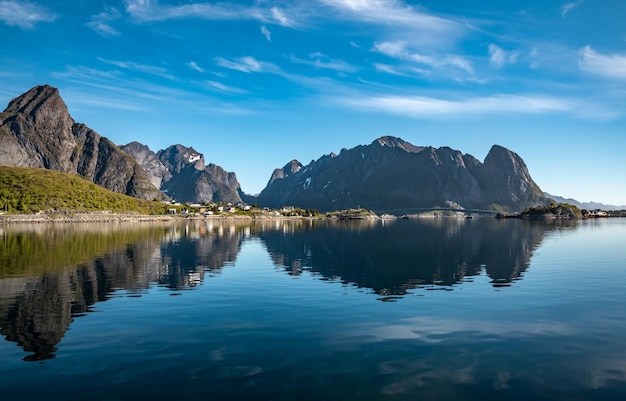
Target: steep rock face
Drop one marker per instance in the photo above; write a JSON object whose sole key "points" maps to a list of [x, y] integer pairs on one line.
{"points": [[178, 157], [290, 168], [393, 174], [36, 130], [506, 179], [148, 160], [192, 181]]}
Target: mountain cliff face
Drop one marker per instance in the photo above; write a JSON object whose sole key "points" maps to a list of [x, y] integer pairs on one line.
{"points": [[148, 160], [394, 174], [36, 130], [180, 172]]}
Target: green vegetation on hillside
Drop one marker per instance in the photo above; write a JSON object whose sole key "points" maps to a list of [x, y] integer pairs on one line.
{"points": [[31, 190], [45, 249], [556, 209]]}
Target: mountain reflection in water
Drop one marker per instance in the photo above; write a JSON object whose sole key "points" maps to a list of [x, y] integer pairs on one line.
{"points": [[51, 274], [399, 256]]}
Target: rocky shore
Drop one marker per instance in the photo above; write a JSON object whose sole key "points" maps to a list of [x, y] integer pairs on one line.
{"points": [[106, 217]]}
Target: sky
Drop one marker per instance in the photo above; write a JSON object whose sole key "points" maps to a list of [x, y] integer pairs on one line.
{"points": [[255, 84]]}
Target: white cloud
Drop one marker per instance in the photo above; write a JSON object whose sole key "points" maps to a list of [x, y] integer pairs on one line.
{"points": [[400, 51], [422, 106], [246, 64], [24, 14], [194, 66], [387, 69], [101, 22], [389, 12], [568, 7], [266, 32], [133, 66], [152, 10], [606, 65], [499, 57], [457, 61], [280, 16], [225, 88], [319, 60]]}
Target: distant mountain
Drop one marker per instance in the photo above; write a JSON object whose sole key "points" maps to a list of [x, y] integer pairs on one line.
{"points": [[391, 173], [180, 172], [584, 205], [36, 130]]}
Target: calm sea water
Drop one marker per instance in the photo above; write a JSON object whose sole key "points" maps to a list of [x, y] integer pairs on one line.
{"points": [[445, 309]]}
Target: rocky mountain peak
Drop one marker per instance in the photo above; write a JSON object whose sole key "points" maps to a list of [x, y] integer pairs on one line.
{"points": [[292, 167], [178, 157], [38, 131], [43, 106], [393, 142], [148, 160], [507, 161], [35, 98], [507, 179], [288, 169], [391, 173]]}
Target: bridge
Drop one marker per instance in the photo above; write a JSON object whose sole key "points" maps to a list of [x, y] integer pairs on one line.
{"points": [[401, 212]]}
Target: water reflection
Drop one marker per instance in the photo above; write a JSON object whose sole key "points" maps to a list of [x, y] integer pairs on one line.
{"points": [[51, 274], [399, 256]]}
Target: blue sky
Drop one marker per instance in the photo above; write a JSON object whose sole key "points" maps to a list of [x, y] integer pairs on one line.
{"points": [[254, 84]]}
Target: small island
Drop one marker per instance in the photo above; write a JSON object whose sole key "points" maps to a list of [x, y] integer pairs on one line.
{"points": [[561, 211]]}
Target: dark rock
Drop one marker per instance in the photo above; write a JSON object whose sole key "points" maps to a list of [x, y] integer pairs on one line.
{"points": [[192, 181], [36, 130], [148, 160], [391, 174]]}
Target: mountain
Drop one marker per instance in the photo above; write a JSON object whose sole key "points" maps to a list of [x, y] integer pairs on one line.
{"points": [[584, 205], [148, 160], [391, 173], [36, 130], [180, 172]]}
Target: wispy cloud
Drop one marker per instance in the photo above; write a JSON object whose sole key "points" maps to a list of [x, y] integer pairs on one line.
{"points": [[606, 65], [101, 23], [400, 50], [423, 106], [194, 66], [247, 64], [266, 32], [152, 10], [319, 60], [133, 66], [568, 7], [225, 88], [281, 17], [114, 90], [24, 13], [391, 12], [499, 57]]}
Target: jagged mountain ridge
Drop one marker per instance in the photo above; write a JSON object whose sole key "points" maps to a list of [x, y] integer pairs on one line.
{"points": [[36, 130], [181, 173], [391, 173]]}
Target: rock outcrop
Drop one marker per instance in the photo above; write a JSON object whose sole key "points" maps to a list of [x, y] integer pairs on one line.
{"points": [[391, 173], [180, 172], [36, 130], [148, 160]]}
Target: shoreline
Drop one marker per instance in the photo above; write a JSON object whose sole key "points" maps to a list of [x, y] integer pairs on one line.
{"points": [[107, 217]]}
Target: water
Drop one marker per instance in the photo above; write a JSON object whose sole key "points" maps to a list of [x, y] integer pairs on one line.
{"points": [[446, 309]]}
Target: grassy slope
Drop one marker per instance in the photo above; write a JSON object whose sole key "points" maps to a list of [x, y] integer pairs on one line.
{"points": [[30, 190]]}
